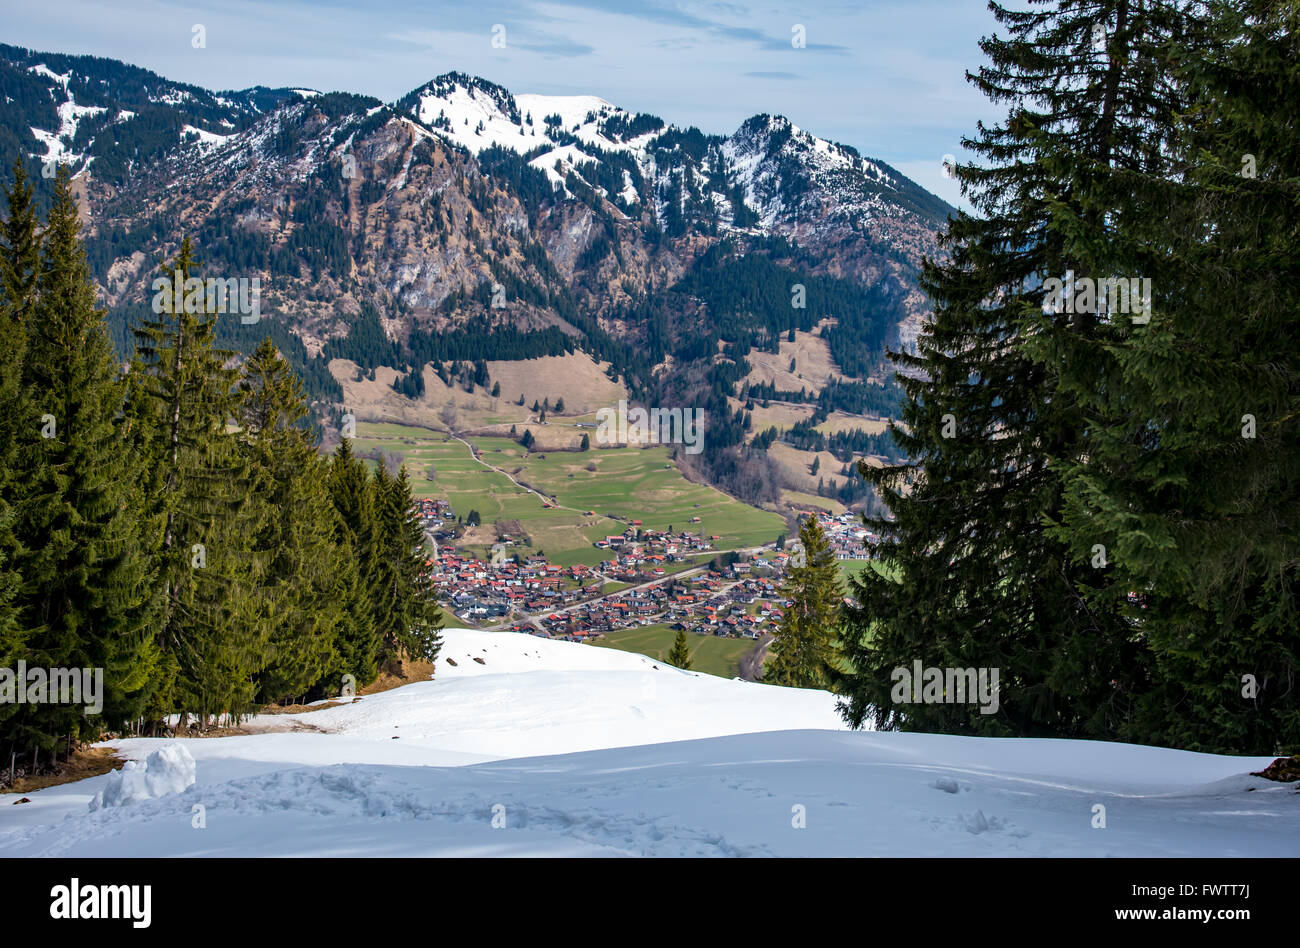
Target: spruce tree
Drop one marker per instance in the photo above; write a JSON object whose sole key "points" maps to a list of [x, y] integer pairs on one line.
{"points": [[302, 581], [89, 596], [19, 268], [409, 618], [805, 652], [680, 654], [968, 573], [214, 628], [1191, 480], [358, 642]]}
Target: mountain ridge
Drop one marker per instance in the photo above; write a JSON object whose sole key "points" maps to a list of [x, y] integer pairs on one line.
{"points": [[463, 218]]}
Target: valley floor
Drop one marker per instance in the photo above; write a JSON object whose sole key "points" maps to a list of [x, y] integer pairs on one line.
{"points": [[553, 749]]}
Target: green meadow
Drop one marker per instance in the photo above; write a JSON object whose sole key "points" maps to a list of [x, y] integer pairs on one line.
{"points": [[711, 654], [625, 483]]}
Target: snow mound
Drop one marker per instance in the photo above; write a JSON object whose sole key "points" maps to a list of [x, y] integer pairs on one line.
{"points": [[512, 695], [168, 770], [531, 747]]}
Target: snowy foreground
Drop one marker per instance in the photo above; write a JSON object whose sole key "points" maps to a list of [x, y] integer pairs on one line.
{"points": [[553, 749]]}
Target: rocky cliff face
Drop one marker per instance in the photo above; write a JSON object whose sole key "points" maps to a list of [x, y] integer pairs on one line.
{"points": [[460, 202]]}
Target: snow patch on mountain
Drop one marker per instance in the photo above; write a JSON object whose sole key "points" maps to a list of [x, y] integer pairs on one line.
{"points": [[43, 70], [206, 139]]}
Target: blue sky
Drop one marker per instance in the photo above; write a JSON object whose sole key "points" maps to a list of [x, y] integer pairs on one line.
{"points": [[887, 76]]}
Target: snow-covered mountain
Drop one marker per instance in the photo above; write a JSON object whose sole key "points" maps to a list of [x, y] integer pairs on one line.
{"points": [[621, 205], [525, 746], [467, 222], [85, 111], [770, 176]]}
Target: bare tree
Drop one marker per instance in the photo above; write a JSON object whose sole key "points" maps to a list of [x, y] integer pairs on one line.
{"points": [[449, 416]]}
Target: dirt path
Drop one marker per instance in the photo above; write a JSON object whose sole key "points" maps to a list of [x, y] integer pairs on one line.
{"points": [[510, 477]]}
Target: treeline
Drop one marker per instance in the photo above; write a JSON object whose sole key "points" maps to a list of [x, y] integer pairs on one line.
{"points": [[853, 398], [1100, 500], [753, 300], [845, 445], [174, 526], [476, 342]]}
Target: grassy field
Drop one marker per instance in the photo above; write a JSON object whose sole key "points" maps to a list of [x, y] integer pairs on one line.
{"points": [[628, 483], [710, 654], [813, 500], [856, 567]]}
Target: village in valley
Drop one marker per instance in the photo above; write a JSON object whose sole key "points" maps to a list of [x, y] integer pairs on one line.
{"points": [[651, 577]]}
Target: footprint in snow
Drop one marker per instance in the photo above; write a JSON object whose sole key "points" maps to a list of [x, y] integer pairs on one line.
{"points": [[978, 823]]}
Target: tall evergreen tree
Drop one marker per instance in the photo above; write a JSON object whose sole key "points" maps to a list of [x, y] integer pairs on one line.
{"points": [[89, 593], [970, 575], [805, 652], [408, 618], [213, 630], [1191, 480], [19, 266], [359, 640], [302, 584], [680, 654]]}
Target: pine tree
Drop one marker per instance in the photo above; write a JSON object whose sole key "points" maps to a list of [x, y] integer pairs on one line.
{"points": [[358, 641], [213, 629], [805, 652], [409, 618], [969, 574], [680, 654], [1191, 481], [19, 268], [302, 580], [89, 597]]}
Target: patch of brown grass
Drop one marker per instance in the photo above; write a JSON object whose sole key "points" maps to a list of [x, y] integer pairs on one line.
{"points": [[814, 365], [88, 761], [299, 708], [1283, 770], [843, 421], [394, 678]]}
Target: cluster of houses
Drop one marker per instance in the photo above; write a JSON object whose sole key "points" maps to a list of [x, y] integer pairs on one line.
{"points": [[847, 536], [640, 552], [743, 600], [636, 538], [481, 590], [433, 514], [710, 603]]}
